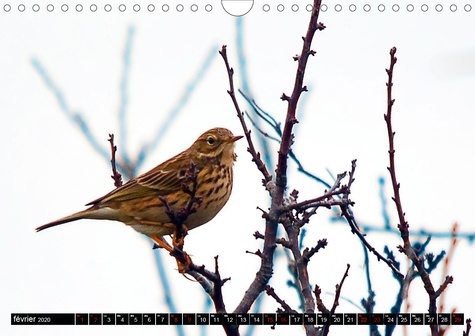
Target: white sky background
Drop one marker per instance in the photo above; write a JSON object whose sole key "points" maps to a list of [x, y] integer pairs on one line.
{"points": [[48, 170]]}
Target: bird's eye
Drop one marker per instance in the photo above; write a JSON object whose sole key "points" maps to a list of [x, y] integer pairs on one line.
{"points": [[211, 140]]}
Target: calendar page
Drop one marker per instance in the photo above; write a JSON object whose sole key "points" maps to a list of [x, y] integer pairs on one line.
{"points": [[237, 167]]}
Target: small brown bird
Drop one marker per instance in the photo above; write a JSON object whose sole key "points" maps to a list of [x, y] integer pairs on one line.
{"points": [[138, 203]]}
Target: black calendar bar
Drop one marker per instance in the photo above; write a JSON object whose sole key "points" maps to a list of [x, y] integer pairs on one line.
{"points": [[235, 319]]}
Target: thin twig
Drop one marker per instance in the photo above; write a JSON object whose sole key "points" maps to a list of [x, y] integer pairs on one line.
{"points": [[308, 253], [318, 201], [116, 176], [403, 226], [338, 287], [320, 305], [256, 156], [448, 260], [348, 215], [468, 327], [271, 292]]}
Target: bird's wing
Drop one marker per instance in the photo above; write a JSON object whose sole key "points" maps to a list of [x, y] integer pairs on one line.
{"points": [[160, 181]]}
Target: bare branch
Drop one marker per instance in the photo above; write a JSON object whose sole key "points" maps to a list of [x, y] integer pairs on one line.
{"points": [[256, 156], [468, 327], [320, 305], [274, 215], [326, 328], [116, 176], [271, 292], [403, 226]]}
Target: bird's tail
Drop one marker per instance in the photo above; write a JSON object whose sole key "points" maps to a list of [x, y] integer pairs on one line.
{"points": [[90, 213]]}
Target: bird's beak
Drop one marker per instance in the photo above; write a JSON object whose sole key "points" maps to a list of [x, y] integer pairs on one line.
{"points": [[234, 139]]}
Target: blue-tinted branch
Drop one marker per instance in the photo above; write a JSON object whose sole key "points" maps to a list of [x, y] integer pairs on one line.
{"points": [[124, 98], [367, 228], [178, 108], [167, 289], [276, 127], [243, 74], [384, 203], [74, 117]]}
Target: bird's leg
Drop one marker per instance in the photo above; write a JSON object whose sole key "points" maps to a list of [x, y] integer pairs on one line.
{"points": [[183, 260], [178, 240], [161, 242]]}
